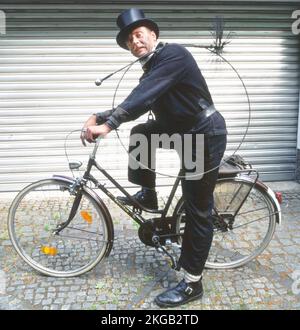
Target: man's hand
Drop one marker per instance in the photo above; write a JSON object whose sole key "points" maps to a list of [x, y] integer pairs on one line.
{"points": [[90, 122], [90, 133]]}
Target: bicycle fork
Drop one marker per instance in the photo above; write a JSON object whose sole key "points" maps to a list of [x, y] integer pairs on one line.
{"points": [[78, 196]]}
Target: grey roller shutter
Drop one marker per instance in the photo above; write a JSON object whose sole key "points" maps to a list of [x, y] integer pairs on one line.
{"points": [[51, 55]]}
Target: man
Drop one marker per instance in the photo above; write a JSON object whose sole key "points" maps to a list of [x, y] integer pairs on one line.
{"points": [[173, 87]]}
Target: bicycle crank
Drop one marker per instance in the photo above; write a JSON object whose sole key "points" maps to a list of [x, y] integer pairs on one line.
{"points": [[162, 249], [155, 236]]}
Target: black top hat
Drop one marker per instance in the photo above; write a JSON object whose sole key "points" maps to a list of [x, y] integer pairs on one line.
{"points": [[131, 19]]}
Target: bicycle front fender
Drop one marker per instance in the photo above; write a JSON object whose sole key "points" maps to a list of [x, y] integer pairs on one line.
{"points": [[64, 178]]}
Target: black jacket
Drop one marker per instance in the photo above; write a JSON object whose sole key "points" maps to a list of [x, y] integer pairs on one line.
{"points": [[171, 86]]}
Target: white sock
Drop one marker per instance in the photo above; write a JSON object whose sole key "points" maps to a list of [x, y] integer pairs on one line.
{"points": [[191, 278]]}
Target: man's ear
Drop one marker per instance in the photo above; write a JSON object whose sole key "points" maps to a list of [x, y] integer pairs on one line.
{"points": [[153, 34]]}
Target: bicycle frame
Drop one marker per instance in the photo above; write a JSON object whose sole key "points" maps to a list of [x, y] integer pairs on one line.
{"points": [[135, 212]]}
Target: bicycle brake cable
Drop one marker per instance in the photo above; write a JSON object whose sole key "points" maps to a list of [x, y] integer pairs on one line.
{"points": [[65, 148]]}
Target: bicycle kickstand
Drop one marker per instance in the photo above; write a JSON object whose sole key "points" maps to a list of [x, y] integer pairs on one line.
{"points": [[162, 249]]}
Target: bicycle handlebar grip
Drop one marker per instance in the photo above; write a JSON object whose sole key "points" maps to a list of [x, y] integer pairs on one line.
{"points": [[98, 82]]}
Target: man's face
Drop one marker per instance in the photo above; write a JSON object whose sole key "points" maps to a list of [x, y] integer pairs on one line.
{"points": [[141, 41]]}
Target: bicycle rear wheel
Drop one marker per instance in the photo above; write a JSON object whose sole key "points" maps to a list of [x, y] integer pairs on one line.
{"points": [[36, 213], [241, 230]]}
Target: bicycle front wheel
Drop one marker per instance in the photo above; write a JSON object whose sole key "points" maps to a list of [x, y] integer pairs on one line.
{"points": [[244, 222], [36, 214]]}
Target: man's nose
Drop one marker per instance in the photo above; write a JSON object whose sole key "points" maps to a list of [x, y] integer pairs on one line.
{"points": [[135, 40]]}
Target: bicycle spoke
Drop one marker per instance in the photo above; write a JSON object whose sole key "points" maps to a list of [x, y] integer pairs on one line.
{"points": [[83, 238], [86, 231], [252, 221], [251, 211]]}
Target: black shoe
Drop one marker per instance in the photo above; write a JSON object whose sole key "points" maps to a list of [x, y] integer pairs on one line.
{"points": [[145, 197], [183, 293]]}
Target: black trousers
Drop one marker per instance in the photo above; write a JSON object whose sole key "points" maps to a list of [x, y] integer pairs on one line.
{"points": [[197, 194]]}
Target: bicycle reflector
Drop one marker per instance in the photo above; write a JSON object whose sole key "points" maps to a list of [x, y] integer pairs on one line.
{"points": [[49, 250], [86, 215], [279, 197]]}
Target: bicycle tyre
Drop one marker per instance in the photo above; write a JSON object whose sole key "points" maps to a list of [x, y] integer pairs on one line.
{"points": [[35, 213], [252, 236]]}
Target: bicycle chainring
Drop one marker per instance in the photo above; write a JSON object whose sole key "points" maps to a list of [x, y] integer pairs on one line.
{"points": [[156, 227], [146, 235]]}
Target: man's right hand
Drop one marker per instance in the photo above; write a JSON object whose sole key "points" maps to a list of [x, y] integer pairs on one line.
{"points": [[90, 122]]}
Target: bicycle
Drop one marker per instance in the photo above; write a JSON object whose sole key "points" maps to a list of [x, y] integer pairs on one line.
{"points": [[62, 228]]}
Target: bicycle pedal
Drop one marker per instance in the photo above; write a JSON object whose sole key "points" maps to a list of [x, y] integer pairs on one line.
{"points": [[168, 243]]}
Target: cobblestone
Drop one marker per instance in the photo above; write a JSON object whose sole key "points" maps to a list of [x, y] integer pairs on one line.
{"points": [[134, 274]]}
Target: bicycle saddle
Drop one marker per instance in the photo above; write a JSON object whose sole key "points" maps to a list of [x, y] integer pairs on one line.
{"points": [[228, 170]]}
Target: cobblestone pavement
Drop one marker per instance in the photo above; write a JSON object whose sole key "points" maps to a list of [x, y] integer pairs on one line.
{"points": [[134, 274]]}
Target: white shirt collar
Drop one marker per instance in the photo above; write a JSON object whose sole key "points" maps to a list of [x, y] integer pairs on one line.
{"points": [[144, 60]]}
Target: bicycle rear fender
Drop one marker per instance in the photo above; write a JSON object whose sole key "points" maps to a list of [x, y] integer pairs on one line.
{"points": [[260, 185], [274, 200], [102, 207]]}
